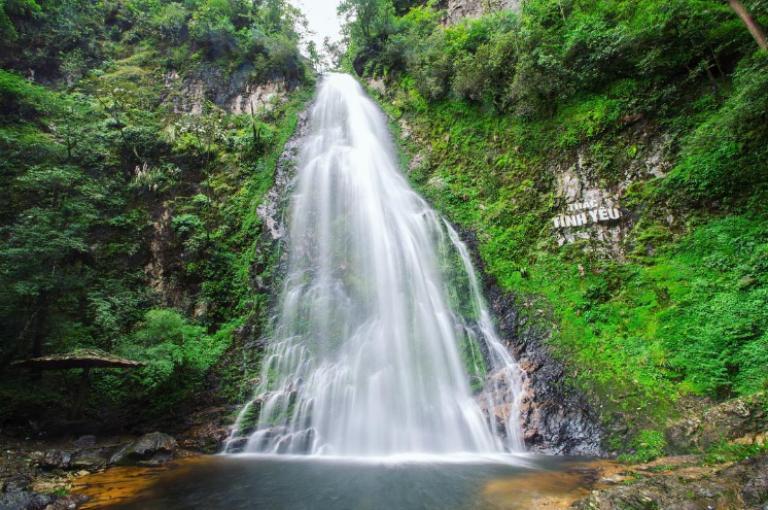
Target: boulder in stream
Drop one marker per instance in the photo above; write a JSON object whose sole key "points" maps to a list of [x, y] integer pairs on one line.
{"points": [[153, 449], [55, 459]]}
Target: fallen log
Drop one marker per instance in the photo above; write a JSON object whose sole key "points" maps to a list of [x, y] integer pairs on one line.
{"points": [[85, 358]]}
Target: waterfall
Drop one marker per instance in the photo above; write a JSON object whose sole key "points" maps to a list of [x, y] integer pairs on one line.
{"points": [[382, 343]]}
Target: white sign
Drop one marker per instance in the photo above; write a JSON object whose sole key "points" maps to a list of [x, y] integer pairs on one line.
{"points": [[586, 213]]}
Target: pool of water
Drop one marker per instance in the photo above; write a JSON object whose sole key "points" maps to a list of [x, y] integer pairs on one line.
{"points": [[296, 483]]}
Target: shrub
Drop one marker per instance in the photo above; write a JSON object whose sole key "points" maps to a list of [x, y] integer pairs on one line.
{"points": [[172, 349], [646, 446]]}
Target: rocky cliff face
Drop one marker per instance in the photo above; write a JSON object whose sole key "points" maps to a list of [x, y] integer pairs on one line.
{"points": [[556, 419], [592, 208], [188, 97], [740, 420], [592, 216], [235, 93], [459, 9]]}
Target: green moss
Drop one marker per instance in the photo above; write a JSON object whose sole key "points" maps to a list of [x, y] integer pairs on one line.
{"points": [[645, 447], [734, 452], [496, 107]]}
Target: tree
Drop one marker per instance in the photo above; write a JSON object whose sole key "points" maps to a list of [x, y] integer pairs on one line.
{"points": [[314, 56], [754, 28], [42, 252], [372, 17]]}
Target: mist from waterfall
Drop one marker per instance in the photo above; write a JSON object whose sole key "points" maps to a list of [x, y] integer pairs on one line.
{"points": [[382, 343]]}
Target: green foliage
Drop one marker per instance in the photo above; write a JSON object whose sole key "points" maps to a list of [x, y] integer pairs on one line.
{"points": [[718, 334], [551, 52], [646, 446], [724, 157], [734, 452], [126, 225], [497, 106], [64, 39], [170, 345]]}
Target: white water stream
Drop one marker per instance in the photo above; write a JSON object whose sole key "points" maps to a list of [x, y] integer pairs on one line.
{"points": [[382, 343]]}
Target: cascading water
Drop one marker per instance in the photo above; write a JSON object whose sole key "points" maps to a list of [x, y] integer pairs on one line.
{"points": [[382, 343]]}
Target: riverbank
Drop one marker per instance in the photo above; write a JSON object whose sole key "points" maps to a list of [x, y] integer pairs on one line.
{"points": [[45, 473], [670, 482], [90, 473]]}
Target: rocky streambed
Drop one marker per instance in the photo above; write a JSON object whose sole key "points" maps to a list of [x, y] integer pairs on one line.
{"points": [[44, 473], [131, 472]]}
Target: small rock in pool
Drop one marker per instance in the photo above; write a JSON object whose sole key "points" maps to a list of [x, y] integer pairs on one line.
{"points": [[153, 449]]}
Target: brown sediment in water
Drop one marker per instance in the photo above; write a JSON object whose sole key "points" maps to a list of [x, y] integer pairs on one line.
{"points": [[547, 490], [122, 484], [540, 489]]}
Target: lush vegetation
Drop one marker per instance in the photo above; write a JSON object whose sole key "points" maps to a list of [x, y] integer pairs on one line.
{"points": [[495, 109], [131, 182], [128, 222]]}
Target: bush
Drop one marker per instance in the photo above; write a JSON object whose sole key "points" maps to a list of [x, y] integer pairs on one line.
{"points": [[646, 446], [724, 158], [173, 349], [170, 22]]}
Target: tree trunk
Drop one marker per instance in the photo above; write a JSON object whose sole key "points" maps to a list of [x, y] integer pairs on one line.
{"points": [[754, 29], [39, 314]]}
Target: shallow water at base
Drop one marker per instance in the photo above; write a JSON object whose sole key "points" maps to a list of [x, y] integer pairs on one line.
{"points": [[280, 482]]}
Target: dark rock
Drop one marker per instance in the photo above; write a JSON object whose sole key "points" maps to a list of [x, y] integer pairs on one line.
{"points": [[683, 436], [17, 483], [556, 418], [153, 449], [24, 500], [88, 441], [754, 475], [272, 208], [67, 502], [92, 459], [237, 445], [17, 496], [55, 459]]}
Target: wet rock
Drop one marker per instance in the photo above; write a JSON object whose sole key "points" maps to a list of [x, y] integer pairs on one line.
{"points": [[67, 502], [683, 436], [296, 443], [88, 441], [55, 459], [92, 459], [729, 420], [272, 210], [754, 476], [16, 495], [153, 449], [24, 500], [555, 418], [237, 445], [17, 483], [743, 485], [207, 437], [272, 207]]}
